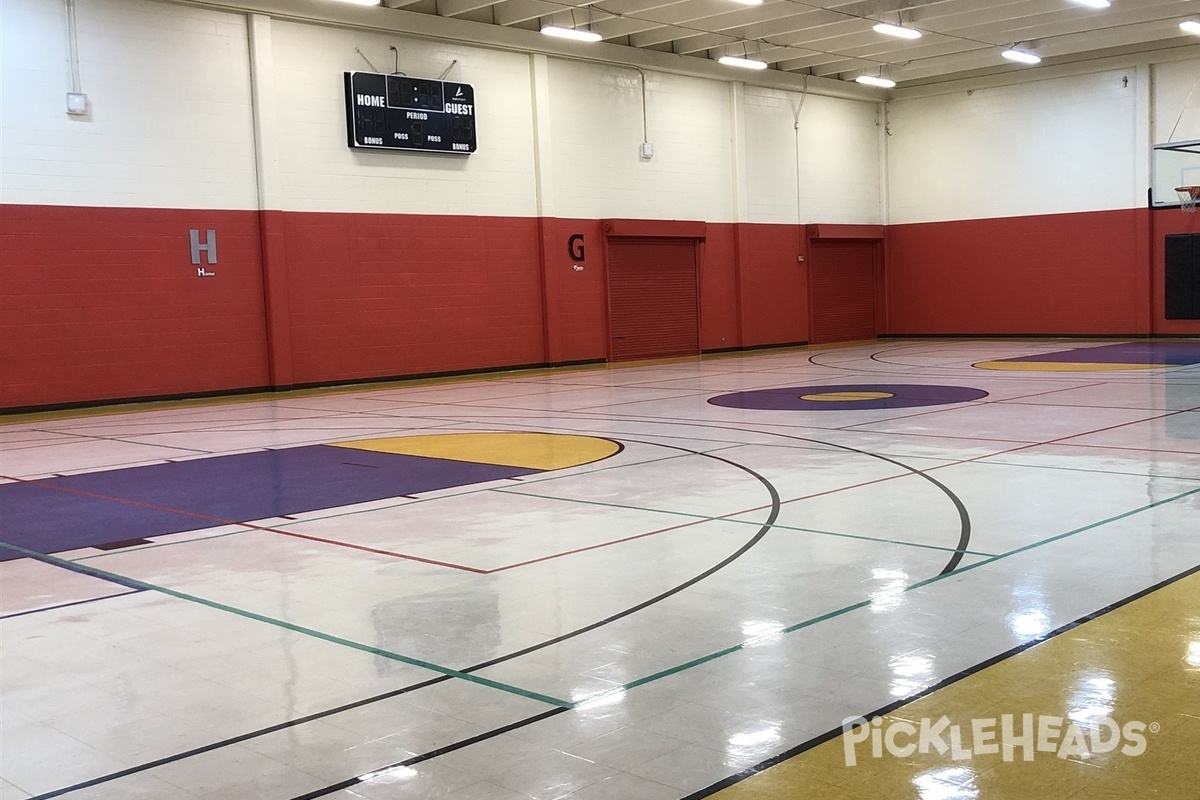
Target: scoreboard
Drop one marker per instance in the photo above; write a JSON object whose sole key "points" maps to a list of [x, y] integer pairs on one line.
{"points": [[395, 112]]}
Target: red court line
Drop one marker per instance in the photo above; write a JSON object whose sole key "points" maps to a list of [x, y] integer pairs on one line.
{"points": [[249, 525], [377, 551], [607, 544]]}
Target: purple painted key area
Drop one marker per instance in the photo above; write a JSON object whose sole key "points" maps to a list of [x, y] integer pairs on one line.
{"points": [[903, 395], [1165, 353], [57, 514]]}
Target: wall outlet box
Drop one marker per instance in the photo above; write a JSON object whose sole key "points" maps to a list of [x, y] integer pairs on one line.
{"points": [[647, 150], [77, 103]]}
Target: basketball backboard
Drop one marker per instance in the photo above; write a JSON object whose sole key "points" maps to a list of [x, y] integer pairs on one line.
{"points": [[1172, 165]]}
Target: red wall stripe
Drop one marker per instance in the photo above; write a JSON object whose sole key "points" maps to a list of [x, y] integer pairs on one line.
{"points": [[774, 285], [377, 295], [719, 309], [1080, 273], [102, 304]]}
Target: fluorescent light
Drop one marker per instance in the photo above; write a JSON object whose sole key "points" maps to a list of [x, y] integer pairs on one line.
{"points": [[1190, 26], [871, 80], [898, 30], [1022, 56], [749, 2], [571, 33], [361, 2], [746, 63], [1094, 3]]}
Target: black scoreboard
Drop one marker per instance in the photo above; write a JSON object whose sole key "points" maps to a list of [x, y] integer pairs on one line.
{"points": [[395, 112]]}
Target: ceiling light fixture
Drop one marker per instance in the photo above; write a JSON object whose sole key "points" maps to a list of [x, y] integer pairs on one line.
{"points": [[897, 30], [874, 80], [1021, 56], [361, 2], [1094, 3], [744, 63], [749, 2], [571, 33], [1190, 26]]}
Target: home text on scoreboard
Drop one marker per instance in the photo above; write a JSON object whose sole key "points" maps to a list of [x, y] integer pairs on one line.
{"points": [[395, 112]]}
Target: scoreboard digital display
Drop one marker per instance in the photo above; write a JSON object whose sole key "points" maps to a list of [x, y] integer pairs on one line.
{"points": [[395, 112]]}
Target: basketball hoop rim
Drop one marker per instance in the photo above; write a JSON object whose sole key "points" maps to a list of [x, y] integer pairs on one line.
{"points": [[1193, 191]]}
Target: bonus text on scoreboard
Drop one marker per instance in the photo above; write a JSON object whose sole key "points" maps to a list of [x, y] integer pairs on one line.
{"points": [[396, 112]]}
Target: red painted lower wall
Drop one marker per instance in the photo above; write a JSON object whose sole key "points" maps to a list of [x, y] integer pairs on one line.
{"points": [[575, 291], [1081, 273], [103, 304], [378, 295], [719, 306], [774, 285]]}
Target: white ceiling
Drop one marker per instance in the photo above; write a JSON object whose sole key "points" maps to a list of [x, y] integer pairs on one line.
{"points": [[834, 38]]}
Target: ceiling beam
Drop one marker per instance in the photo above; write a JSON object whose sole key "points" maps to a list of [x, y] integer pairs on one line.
{"points": [[453, 8], [495, 37]]}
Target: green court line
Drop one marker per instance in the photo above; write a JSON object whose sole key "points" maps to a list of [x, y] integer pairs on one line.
{"points": [[328, 637], [882, 540], [776, 526], [865, 603], [1192, 479], [341, 514]]}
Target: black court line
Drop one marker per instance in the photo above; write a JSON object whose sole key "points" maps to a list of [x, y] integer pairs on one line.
{"points": [[775, 507], [429, 755], [964, 536], [67, 605], [964, 539], [834, 733], [947, 371], [945, 407]]}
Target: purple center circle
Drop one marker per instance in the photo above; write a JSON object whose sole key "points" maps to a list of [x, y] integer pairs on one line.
{"points": [[903, 395]]}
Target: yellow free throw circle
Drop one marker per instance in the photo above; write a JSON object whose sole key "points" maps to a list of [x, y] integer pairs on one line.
{"points": [[845, 397]]}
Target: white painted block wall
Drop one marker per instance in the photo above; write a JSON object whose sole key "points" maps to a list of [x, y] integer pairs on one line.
{"points": [[596, 135], [170, 122], [837, 147], [1047, 147], [320, 173], [172, 126]]}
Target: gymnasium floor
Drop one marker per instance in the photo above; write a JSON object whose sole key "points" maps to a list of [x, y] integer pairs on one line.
{"points": [[645, 583]]}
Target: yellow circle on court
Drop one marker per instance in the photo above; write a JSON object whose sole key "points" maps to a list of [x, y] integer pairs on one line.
{"points": [[542, 451], [845, 397]]}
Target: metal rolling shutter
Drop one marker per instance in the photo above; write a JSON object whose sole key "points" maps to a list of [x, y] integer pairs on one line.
{"points": [[654, 308], [843, 291]]}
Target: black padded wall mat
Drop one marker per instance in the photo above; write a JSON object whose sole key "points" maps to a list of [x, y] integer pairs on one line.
{"points": [[1183, 276]]}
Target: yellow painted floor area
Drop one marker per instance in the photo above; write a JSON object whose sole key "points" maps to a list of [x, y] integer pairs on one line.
{"points": [[845, 397], [1139, 663], [546, 451]]}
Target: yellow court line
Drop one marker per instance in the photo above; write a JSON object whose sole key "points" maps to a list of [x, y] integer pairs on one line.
{"points": [[1137, 666], [136, 406], [103, 407]]}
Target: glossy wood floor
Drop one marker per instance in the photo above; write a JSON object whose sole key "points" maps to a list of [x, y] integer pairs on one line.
{"points": [[660, 581]]}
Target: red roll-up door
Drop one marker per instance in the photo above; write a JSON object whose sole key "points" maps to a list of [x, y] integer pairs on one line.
{"points": [[842, 282], [653, 298]]}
